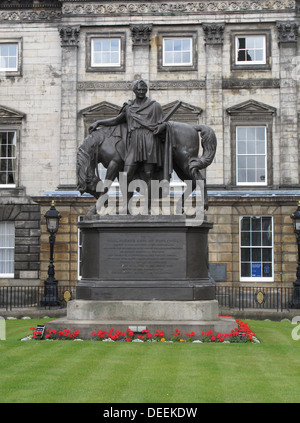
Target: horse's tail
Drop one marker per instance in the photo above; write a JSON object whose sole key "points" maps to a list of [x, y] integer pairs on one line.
{"points": [[209, 145]]}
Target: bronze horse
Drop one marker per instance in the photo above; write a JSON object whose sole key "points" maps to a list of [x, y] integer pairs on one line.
{"points": [[106, 146]]}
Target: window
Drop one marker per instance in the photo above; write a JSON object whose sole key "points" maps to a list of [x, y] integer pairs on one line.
{"points": [[177, 52], [7, 249], [251, 157], [256, 248], [105, 52], [8, 158], [10, 57], [250, 49]]}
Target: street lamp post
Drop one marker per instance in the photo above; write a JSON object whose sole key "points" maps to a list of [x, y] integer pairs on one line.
{"points": [[296, 293], [50, 284]]}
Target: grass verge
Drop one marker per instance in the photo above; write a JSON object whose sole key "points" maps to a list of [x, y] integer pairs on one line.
{"points": [[102, 372]]}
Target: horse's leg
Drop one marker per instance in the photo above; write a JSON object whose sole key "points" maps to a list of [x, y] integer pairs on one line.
{"points": [[198, 176], [112, 171], [179, 205]]}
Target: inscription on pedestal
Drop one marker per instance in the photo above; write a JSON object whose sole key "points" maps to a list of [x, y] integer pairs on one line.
{"points": [[136, 256]]}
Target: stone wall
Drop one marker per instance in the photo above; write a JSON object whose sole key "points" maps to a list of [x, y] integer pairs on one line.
{"points": [[56, 94]]}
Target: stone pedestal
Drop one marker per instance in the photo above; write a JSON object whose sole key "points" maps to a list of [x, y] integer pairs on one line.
{"points": [[144, 272], [90, 316], [144, 258]]}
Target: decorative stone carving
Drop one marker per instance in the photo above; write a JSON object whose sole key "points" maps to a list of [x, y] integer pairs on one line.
{"points": [[213, 33], [141, 34], [194, 84], [84, 7], [250, 83], [69, 36], [287, 32]]}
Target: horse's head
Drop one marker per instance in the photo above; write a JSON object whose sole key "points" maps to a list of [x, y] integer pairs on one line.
{"points": [[87, 162]]}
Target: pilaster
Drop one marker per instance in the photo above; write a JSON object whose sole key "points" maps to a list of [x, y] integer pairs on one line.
{"points": [[68, 121], [213, 36], [289, 151], [141, 34]]}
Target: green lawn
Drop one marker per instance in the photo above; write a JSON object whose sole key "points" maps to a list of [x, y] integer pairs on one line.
{"points": [[102, 372]]}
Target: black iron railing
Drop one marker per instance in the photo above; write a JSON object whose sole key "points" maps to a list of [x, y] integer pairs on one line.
{"points": [[232, 297], [249, 297], [12, 297]]}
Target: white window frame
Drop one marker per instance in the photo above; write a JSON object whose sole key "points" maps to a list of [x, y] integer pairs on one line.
{"points": [[7, 233], [271, 247], [10, 158], [250, 62], [238, 155], [16, 56], [190, 50], [95, 64]]}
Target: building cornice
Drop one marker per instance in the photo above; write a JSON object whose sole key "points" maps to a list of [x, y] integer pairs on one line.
{"points": [[135, 7]]}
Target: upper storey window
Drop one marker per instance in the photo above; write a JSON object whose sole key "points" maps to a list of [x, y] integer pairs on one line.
{"points": [[177, 52], [105, 52], [10, 57], [250, 50]]}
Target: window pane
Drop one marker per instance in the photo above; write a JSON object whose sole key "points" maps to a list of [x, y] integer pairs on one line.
{"points": [[267, 254], [256, 254], [245, 254], [260, 133], [245, 270], [266, 224], [245, 238], [256, 223], [267, 270], [245, 224], [250, 55], [242, 133]]}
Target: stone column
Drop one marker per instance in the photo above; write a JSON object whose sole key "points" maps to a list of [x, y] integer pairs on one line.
{"points": [[289, 152], [214, 95], [68, 121], [141, 51]]}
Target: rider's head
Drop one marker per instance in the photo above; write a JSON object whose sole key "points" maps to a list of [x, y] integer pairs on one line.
{"points": [[140, 85]]}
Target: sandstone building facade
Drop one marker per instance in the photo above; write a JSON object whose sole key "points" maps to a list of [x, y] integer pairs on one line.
{"points": [[235, 65]]}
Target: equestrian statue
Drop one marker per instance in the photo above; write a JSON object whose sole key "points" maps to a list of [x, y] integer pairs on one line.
{"points": [[143, 143]]}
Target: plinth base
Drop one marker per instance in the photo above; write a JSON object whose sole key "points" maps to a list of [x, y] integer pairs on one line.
{"points": [[187, 316]]}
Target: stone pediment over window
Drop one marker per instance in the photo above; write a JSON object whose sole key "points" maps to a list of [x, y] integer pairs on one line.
{"points": [[251, 107], [101, 110], [185, 113], [9, 116]]}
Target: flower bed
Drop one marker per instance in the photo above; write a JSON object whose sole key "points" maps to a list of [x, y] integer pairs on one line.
{"points": [[241, 334]]}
